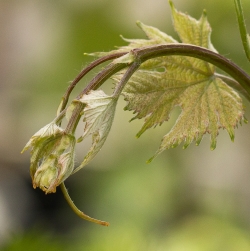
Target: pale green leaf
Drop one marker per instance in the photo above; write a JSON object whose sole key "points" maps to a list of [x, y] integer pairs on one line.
{"points": [[155, 36], [190, 30], [161, 84], [98, 115]]}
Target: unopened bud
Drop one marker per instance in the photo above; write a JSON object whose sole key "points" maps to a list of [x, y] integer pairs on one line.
{"points": [[46, 175], [52, 159]]}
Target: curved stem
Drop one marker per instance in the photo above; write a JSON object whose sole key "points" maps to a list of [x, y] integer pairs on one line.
{"points": [[87, 69], [74, 119], [77, 211], [60, 117], [140, 55], [197, 52], [94, 84], [101, 77], [242, 26]]}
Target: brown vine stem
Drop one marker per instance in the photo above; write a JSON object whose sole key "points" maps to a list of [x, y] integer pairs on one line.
{"points": [[142, 54], [94, 84], [86, 70], [197, 52]]}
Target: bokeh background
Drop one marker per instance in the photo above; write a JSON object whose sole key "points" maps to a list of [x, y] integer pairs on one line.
{"points": [[193, 199]]}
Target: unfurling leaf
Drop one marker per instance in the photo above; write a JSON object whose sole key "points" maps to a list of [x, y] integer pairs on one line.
{"points": [[163, 83], [98, 115]]}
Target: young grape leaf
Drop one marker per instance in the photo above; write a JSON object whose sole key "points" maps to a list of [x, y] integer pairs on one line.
{"points": [[98, 115], [155, 36], [207, 103]]}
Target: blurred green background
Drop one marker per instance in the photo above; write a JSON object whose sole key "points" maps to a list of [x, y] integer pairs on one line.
{"points": [[184, 200]]}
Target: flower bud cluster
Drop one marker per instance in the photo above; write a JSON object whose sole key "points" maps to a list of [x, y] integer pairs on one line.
{"points": [[52, 159]]}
